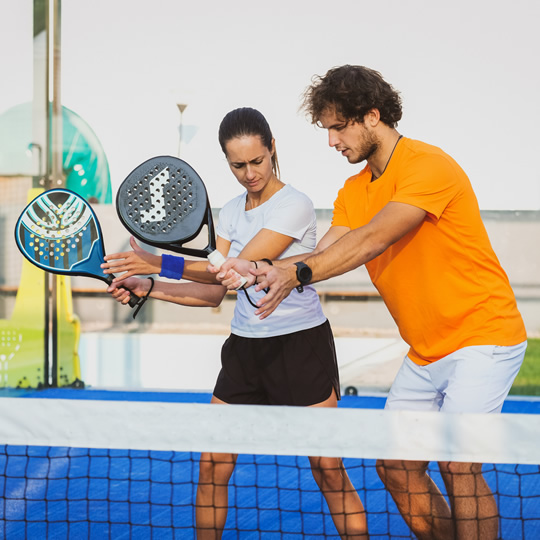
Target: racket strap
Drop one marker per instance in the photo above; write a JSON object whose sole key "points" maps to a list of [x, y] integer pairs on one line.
{"points": [[143, 299], [265, 290]]}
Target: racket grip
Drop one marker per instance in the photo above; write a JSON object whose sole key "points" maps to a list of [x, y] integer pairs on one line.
{"points": [[217, 259], [133, 299]]}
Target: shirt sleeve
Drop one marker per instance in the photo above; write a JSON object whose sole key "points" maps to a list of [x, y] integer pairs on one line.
{"points": [[339, 216], [292, 216], [222, 229], [429, 183]]}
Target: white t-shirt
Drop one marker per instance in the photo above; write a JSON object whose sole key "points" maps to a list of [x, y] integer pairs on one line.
{"points": [[288, 212]]}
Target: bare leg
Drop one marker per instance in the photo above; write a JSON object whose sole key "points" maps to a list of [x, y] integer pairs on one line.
{"points": [[473, 505], [343, 501], [212, 502], [418, 499]]}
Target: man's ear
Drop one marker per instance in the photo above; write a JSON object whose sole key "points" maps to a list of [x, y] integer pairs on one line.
{"points": [[372, 117]]}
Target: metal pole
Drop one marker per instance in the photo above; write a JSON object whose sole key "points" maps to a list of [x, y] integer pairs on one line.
{"points": [[57, 166], [47, 185]]}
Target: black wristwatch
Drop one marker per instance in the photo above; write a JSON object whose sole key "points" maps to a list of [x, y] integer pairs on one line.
{"points": [[303, 275]]}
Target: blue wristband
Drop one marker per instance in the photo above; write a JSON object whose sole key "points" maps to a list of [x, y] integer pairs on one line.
{"points": [[172, 266]]}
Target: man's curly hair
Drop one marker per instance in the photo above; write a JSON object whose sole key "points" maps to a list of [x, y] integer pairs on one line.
{"points": [[352, 91]]}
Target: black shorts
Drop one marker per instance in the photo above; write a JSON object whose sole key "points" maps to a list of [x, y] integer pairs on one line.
{"points": [[294, 369]]}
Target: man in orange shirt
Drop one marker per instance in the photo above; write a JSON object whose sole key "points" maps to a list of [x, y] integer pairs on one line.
{"points": [[412, 218]]}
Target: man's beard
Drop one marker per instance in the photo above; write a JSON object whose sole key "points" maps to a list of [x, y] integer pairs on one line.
{"points": [[368, 150]]}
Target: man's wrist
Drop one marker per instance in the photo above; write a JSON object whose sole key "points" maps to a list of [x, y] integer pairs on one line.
{"points": [[304, 275]]}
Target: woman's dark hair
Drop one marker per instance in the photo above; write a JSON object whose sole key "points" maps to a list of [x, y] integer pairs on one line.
{"points": [[352, 91], [245, 122]]}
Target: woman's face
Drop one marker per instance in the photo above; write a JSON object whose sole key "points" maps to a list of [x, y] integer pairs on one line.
{"points": [[250, 162]]}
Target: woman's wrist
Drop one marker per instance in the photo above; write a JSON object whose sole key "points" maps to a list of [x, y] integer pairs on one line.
{"points": [[256, 268], [172, 266]]}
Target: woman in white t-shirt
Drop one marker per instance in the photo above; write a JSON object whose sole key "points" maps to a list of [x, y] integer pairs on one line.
{"points": [[286, 359]]}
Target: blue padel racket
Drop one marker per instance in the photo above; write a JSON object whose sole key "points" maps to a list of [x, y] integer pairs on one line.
{"points": [[60, 233]]}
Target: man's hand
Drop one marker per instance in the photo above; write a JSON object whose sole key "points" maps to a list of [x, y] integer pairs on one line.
{"points": [[138, 262], [280, 281]]}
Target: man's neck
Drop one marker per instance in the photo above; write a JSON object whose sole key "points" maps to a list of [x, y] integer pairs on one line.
{"points": [[387, 143]]}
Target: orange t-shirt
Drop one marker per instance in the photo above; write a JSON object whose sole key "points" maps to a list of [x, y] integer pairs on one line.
{"points": [[441, 282]]}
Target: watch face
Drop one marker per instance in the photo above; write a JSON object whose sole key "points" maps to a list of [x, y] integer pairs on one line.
{"points": [[303, 273]]}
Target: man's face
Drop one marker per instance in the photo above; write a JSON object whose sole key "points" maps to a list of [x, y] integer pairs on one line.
{"points": [[355, 140]]}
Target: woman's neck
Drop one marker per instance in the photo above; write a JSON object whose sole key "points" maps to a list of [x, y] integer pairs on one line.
{"points": [[253, 200]]}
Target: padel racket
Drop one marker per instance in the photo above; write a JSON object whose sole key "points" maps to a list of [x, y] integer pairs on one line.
{"points": [[164, 203], [60, 233]]}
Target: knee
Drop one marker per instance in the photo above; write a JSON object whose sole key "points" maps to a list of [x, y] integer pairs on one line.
{"points": [[386, 471], [457, 468], [396, 474], [328, 473], [214, 470], [206, 471]]}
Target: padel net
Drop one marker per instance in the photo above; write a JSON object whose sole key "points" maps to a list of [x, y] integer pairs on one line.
{"points": [[127, 466]]}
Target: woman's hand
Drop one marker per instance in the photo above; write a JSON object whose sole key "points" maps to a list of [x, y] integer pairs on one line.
{"points": [[138, 262], [120, 290], [231, 272]]}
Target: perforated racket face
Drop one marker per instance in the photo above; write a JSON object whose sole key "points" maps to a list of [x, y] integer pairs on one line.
{"points": [[163, 201], [59, 232]]}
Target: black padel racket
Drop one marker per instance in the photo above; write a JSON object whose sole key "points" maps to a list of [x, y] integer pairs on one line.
{"points": [[60, 233], [164, 203]]}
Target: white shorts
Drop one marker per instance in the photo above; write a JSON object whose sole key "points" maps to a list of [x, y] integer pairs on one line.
{"points": [[473, 379]]}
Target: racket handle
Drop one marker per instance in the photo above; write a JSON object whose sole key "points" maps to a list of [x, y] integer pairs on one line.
{"points": [[217, 259], [133, 298]]}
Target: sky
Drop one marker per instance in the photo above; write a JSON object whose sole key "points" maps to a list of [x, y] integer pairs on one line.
{"points": [[467, 73]]}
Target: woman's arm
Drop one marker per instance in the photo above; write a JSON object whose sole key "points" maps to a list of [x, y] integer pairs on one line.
{"points": [[185, 294], [140, 262], [266, 243]]}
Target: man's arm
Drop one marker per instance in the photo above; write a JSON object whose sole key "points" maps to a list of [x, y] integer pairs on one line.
{"points": [[332, 236], [244, 266], [362, 245], [347, 252]]}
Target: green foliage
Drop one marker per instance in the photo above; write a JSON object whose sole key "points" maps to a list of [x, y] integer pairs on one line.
{"points": [[527, 382]]}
